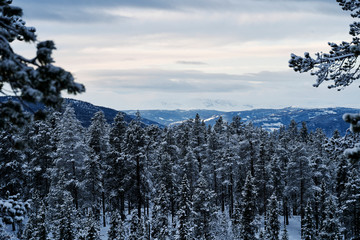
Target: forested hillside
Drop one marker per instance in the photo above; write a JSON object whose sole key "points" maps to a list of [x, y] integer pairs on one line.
{"points": [[191, 181]]}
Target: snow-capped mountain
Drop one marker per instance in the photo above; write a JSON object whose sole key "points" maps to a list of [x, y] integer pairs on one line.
{"points": [[328, 119]]}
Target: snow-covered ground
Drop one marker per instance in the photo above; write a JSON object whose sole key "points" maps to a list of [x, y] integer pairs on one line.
{"points": [[294, 229]]}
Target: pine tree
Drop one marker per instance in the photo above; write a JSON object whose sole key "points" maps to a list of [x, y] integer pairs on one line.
{"points": [[116, 230], [184, 212], [34, 80], [331, 225], [98, 141], [220, 227], [71, 152], [11, 166], [202, 209], [160, 223], [114, 226], [39, 157], [136, 227], [36, 227], [351, 204], [308, 224], [117, 171], [236, 221], [65, 223], [249, 212], [272, 226], [93, 230], [135, 142]]}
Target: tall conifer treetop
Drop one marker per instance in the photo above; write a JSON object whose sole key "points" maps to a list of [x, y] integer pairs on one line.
{"points": [[340, 65], [34, 80]]}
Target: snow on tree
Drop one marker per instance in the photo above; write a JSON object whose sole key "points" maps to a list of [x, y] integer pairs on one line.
{"points": [[249, 224], [136, 227], [160, 213], [97, 164], [117, 229], [135, 142], [331, 227], [11, 165], [70, 155], [34, 80], [220, 227], [340, 66], [308, 224], [93, 231], [36, 227], [184, 212], [64, 217], [39, 156], [351, 205], [272, 223], [115, 174], [13, 211], [203, 209]]}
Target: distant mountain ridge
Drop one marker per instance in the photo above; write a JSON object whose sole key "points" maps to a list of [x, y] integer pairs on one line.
{"points": [[84, 111], [328, 119]]}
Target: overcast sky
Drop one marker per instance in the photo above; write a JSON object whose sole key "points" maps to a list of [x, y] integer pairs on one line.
{"points": [[191, 54]]}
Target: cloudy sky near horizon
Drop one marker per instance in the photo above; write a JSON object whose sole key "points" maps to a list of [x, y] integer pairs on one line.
{"points": [[191, 54]]}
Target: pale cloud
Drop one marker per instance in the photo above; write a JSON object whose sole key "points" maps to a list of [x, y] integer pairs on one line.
{"points": [[221, 54]]}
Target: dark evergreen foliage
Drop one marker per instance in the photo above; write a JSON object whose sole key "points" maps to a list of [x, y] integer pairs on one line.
{"points": [[184, 182]]}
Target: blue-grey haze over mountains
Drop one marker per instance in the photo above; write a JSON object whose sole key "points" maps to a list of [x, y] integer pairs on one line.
{"points": [[198, 54]]}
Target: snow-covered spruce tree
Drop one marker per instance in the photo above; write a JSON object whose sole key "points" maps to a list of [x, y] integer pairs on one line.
{"points": [[64, 216], [96, 164], [330, 229], [249, 210], [351, 205], [11, 166], [184, 212], [135, 142], [165, 176], [160, 228], [117, 171], [34, 80], [308, 224], [272, 224], [36, 228], [236, 221], [39, 156], [136, 227], [93, 231], [220, 227], [203, 209], [198, 140], [70, 155], [117, 229], [340, 66]]}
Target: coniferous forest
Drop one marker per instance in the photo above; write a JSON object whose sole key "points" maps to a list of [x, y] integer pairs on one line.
{"points": [[191, 181], [60, 180]]}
